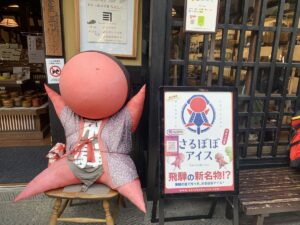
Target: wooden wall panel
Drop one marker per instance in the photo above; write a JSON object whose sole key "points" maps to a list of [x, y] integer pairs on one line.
{"points": [[52, 27]]}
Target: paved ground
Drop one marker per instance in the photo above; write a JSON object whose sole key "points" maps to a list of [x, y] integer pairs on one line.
{"points": [[36, 211]]}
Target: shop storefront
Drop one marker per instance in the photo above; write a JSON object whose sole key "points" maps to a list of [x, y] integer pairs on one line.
{"points": [[48, 34], [254, 48], [24, 113]]}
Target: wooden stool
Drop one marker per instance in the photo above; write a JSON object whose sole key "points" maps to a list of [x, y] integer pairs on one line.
{"points": [[63, 198]]}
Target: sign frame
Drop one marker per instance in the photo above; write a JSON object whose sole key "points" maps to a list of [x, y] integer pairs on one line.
{"points": [[123, 50], [51, 62], [199, 30], [161, 182]]}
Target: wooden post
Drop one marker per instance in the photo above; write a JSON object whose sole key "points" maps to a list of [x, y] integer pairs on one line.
{"points": [[108, 217], [52, 27], [63, 207], [253, 45], [55, 212], [260, 219], [211, 57]]}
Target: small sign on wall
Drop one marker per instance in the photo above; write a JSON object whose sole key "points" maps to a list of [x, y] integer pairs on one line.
{"points": [[201, 15], [54, 67]]}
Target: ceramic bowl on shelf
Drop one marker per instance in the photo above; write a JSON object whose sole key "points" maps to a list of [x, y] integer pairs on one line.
{"points": [[28, 98], [36, 102], [6, 75], [26, 103], [18, 101], [13, 94], [8, 103], [4, 96], [29, 92]]}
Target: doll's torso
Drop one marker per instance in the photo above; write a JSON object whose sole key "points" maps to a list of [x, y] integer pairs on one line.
{"points": [[90, 132], [114, 134]]}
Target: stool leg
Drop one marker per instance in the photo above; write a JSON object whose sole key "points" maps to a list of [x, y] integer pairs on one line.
{"points": [[260, 219], [108, 217], [63, 207], [56, 207]]}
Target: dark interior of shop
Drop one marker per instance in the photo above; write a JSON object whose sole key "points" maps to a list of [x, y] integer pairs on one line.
{"points": [[24, 126], [27, 15]]}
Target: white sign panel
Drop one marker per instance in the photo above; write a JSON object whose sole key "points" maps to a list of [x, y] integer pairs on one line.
{"points": [[199, 142], [54, 67], [109, 26], [201, 15]]}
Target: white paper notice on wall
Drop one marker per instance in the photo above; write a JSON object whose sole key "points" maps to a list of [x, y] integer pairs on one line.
{"points": [[36, 52], [201, 16], [54, 67]]}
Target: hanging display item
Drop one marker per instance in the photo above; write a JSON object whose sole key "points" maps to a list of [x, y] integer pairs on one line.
{"points": [[98, 123]]}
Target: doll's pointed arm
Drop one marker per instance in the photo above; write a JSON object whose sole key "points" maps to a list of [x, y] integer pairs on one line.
{"points": [[56, 99], [135, 107]]}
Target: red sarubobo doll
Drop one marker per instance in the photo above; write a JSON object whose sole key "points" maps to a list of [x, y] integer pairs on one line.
{"points": [[295, 142], [98, 124]]}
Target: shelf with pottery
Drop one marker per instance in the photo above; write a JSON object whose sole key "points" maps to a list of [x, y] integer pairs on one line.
{"points": [[11, 81], [19, 85], [25, 110], [22, 123]]}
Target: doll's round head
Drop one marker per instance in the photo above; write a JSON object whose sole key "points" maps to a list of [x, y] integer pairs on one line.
{"points": [[198, 104], [94, 84]]}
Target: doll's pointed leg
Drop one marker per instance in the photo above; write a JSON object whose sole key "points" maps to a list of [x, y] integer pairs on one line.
{"points": [[133, 192], [56, 176]]}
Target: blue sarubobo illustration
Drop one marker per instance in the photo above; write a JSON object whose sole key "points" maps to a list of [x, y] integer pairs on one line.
{"points": [[198, 114]]}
